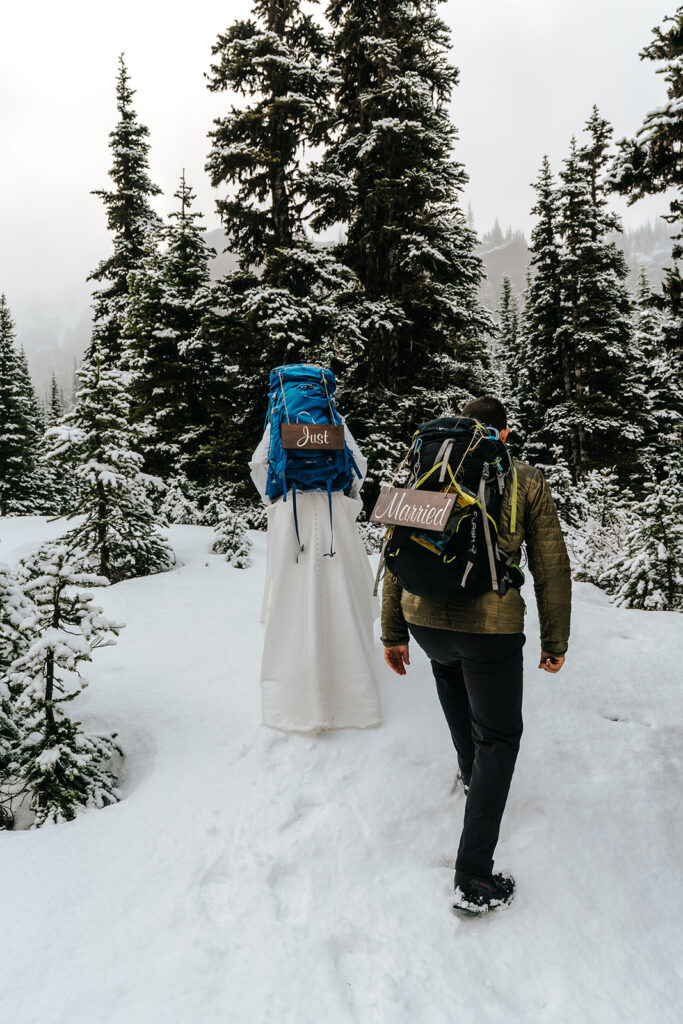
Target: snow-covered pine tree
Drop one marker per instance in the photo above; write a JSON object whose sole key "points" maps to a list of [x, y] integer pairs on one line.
{"points": [[231, 538], [56, 480], [651, 162], [181, 502], [56, 406], [390, 177], [506, 360], [599, 422], [656, 373], [648, 573], [178, 379], [286, 301], [15, 615], [508, 317], [129, 218], [21, 426], [540, 377], [54, 762], [600, 517], [117, 536]]}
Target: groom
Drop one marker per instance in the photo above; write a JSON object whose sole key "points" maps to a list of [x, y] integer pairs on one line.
{"points": [[475, 647]]}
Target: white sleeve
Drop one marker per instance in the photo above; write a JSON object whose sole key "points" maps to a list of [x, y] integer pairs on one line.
{"points": [[258, 465], [360, 461]]}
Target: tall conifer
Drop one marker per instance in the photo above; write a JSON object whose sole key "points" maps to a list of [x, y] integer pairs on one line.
{"points": [[577, 319], [129, 218], [543, 371], [169, 297], [20, 426], [282, 304], [651, 162], [390, 177]]}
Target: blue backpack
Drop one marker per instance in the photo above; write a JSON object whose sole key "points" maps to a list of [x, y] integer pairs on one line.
{"points": [[300, 393]]}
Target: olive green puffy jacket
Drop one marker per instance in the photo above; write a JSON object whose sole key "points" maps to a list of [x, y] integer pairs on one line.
{"points": [[538, 525]]}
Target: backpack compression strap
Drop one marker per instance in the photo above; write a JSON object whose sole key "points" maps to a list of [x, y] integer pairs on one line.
{"points": [[487, 532]]}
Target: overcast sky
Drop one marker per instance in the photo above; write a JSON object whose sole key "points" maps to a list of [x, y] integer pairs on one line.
{"points": [[530, 73]]}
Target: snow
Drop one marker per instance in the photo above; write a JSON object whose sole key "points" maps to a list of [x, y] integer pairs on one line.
{"points": [[251, 876]]}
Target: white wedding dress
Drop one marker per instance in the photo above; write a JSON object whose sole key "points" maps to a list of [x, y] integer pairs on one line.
{"points": [[319, 666]]}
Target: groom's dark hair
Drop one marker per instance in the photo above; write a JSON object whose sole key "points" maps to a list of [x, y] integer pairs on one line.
{"points": [[488, 410]]}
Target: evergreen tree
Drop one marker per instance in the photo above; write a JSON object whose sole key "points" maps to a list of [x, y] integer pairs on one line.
{"points": [[284, 304], [600, 519], [231, 539], [578, 328], [390, 177], [54, 761], [541, 369], [56, 406], [651, 162], [20, 426], [648, 573], [179, 381], [117, 535], [181, 503], [506, 359], [508, 317], [129, 218], [15, 614], [657, 374]]}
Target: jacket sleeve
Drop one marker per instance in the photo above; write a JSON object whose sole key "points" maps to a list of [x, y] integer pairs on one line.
{"points": [[258, 465], [394, 628], [549, 565], [360, 461]]}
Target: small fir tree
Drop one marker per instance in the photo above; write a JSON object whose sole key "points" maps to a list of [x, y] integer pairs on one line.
{"points": [[231, 539], [55, 763], [15, 617], [656, 375], [181, 503], [601, 520], [117, 536], [648, 573]]}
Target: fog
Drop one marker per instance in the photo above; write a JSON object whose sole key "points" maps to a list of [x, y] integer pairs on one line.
{"points": [[530, 73]]}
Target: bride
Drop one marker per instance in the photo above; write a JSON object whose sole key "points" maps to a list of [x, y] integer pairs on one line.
{"points": [[319, 666]]}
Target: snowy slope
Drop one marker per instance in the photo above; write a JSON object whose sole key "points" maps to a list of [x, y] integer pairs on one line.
{"points": [[250, 876]]}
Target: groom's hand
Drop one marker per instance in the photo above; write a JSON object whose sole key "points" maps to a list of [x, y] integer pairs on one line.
{"points": [[397, 658], [551, 662]]}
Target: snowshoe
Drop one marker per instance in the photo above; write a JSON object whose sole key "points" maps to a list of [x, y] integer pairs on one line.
{"points": [[477, 894]]}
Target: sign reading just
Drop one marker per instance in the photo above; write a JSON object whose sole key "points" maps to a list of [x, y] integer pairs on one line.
{"points": [[312, 436], [397, 506]]}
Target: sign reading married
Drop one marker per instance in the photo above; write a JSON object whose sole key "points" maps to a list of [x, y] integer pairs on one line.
{"points": [[397, 506], [316, 436]]}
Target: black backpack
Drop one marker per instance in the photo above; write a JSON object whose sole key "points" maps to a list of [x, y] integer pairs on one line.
{"points": [[463, 456]]}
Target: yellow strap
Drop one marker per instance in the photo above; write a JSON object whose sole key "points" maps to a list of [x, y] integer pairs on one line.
{"points": [[427, 474], [513, 513], [468, 499]]}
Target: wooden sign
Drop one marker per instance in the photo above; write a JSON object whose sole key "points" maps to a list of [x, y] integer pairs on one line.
{"points": [[397, 506], [312, 436]]}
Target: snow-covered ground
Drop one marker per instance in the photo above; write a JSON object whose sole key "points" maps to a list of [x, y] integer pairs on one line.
{"points": [[250, 876]]}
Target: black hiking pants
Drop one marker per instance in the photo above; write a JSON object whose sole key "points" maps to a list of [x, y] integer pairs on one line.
{"points": [[479, 682]]}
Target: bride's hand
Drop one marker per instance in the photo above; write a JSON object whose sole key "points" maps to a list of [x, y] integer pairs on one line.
{"points": [[397, 658]]}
